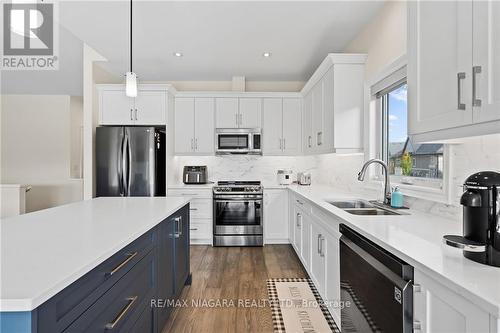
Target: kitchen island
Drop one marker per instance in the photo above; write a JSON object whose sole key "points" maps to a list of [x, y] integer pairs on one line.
{"points": [[74, 266]]}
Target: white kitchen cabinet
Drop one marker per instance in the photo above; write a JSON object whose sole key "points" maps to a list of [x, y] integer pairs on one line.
{"points": [[306, 240], [333, 106], [297, 235], [204, 125], [148, 108], [486, 59], [115, 108], [250, 113], [273, 126], [292, 115], [332, 262], [307, 124], [318, 260], [226, 112], [439, 309], [194, 125], [453, 69], [275, 216], [184, 125], [200, 210], [439, 65], [317, 115], [282, 126]]}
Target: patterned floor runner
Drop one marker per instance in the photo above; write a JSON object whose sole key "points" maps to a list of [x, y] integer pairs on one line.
{"points": [[297, 307]]}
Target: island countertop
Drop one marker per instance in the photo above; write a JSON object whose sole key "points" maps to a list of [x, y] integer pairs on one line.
{"points": [[45, 251]]}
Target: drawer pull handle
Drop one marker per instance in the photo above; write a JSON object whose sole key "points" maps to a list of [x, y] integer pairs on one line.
{"points": [[130, 256], [193, 208], [131, 301], [194, 229]]}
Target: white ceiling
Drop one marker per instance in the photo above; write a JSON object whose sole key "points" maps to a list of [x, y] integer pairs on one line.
{"points": [[218, 39]]}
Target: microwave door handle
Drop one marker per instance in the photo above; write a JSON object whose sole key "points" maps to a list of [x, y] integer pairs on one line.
{"points": [[186, 178]]}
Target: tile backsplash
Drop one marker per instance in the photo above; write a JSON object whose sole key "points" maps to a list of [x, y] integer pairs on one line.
{"points": [[340, 171]]}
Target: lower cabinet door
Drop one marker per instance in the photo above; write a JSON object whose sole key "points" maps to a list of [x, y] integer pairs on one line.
{"points": [[122, 305], [181, 227], [165, 271], [306, 241], [318, 257], [332, 287], [439, 309], [297, 239]]}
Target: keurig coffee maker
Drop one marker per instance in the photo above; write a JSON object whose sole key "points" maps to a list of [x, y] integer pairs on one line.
{"points": [[481, 219]]}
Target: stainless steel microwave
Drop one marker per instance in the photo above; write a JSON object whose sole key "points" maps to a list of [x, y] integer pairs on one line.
{"points": [[238, 141]]}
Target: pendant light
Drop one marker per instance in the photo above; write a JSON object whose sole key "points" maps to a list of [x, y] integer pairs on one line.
{"points": [[131, 77]]}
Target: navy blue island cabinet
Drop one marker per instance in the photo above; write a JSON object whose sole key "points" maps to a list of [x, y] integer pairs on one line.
{"points": [[129, 292]]}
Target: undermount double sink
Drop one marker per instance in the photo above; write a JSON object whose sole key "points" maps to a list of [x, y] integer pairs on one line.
{"points": [[363, 207]]}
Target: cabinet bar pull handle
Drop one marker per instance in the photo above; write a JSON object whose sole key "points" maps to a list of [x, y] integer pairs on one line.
{"points": [[309, 141], [281, 146], [192, 144], [322, 250], [236, 118], [131, 301], [131, 114], [193, 208], [135, 114], [130, 256], [475, 101], [460, 77], [299, 216], [284, 144], [193, 229], [319, 242]]}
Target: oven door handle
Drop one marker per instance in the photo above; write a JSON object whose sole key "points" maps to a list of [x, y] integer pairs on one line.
{"points": [[237, 200]]}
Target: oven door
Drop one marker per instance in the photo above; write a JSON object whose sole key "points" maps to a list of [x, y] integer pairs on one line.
{"points": [[233, 143], [237, 216]]}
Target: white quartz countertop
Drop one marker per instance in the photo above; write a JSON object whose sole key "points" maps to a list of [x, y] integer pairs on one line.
{"points": [[417, 239], [44, 252]]}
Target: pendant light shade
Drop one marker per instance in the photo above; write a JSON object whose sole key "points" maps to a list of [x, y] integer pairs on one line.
{"points": [[131, 84], [131, 77]]}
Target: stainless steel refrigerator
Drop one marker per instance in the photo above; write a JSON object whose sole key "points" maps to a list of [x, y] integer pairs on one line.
{"points": [[130, 161]]}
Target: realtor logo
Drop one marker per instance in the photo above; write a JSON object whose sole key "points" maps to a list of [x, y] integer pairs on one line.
{"points": [[29, 37]]}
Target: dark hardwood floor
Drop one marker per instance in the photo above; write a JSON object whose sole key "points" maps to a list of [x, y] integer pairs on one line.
{"points": [[232, 273]]}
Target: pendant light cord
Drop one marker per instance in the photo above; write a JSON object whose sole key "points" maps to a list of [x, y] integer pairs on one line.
{"points": [[131, 36]]}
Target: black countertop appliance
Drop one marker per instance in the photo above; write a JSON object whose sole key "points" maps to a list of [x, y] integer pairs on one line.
{"points": [[481, 219]]}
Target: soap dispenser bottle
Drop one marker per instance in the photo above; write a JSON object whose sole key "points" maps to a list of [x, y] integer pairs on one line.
{"points": [[396, 198]]}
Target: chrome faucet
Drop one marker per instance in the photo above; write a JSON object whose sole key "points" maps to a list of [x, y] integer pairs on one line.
{"points": [[387, 182]]}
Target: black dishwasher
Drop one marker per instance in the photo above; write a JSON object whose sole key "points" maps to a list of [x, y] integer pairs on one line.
{"points": [[376, 287]]}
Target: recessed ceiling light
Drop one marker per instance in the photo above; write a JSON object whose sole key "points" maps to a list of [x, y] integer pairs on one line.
{"points": [[178, 54], [266, 54]]}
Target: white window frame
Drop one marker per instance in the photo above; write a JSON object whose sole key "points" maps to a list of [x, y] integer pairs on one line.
{"points": [[373, 143]]}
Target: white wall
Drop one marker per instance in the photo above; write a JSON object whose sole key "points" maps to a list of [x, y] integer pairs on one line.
{"points": [[36, 149], [383, 39]]}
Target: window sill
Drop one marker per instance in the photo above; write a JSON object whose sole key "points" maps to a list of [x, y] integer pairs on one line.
{"points": [[415, 191]]}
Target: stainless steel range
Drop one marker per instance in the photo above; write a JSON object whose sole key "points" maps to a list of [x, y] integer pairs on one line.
{"points": [[238, 213]]}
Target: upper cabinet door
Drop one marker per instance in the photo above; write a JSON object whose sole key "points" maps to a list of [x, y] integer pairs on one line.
{"points": [[226, 113], [184, 125], [250, 113], [204, 125], [307, 123], [292, 126], [116, 108], [272, 133], [317, 115], [150, 108], [486, 60], [439, 65]]}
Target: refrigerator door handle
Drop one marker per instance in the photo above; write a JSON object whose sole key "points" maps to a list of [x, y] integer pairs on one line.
{"points": [[123, 188], [129, 163]]}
